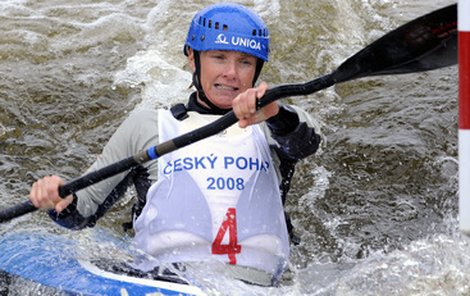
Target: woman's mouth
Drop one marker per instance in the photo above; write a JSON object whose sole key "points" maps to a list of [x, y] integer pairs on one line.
{"points": [[225, 87]]}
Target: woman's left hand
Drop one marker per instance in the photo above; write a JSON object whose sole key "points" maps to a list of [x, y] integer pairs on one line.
{"points": [[244, 106]]}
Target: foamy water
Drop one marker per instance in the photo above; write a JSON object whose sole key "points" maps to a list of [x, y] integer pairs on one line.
{"points": [[376, 207]]}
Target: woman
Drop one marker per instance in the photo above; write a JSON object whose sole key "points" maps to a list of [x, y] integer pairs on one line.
{"points": [[220, 198]]}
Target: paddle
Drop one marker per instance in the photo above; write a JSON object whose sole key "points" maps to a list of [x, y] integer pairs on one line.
{"points": [[426, 43]]}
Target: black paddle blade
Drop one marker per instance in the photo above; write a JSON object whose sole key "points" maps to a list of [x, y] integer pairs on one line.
{"points": [[426, 43]]}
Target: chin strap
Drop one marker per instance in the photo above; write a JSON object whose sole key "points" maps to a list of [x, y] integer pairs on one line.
{"points": [[200, 91]]}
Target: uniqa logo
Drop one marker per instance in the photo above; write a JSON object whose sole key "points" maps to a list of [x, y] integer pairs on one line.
{"points": [[238, 41], [246, 42], [221, 39]]}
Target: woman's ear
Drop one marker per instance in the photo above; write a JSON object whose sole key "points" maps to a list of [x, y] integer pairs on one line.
{"points": [[191, 61]]}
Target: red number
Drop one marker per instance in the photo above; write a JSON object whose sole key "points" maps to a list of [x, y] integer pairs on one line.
{"points": [[232, 248]]}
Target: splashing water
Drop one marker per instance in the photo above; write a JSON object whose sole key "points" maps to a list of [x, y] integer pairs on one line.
{"points": [[376, 207]]}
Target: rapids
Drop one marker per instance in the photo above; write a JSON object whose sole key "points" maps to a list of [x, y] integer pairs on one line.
{"points": [[376, 207]]}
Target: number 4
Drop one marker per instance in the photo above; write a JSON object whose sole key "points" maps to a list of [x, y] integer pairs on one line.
{"points": [[232, 248]]}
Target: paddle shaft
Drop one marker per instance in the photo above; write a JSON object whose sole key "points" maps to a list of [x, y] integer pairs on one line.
{"points": [[426, 43]]}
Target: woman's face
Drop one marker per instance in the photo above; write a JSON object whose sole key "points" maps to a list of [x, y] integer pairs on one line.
{"points": [[225, 74]]}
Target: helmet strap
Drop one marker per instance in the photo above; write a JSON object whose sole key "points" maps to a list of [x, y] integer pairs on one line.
{"points": [[259, 66]]}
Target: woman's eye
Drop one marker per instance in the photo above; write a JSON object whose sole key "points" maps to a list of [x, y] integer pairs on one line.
{"points": [[246, 62]]}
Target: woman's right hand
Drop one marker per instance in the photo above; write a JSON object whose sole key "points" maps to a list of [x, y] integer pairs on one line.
{"points": [[45, 194]]}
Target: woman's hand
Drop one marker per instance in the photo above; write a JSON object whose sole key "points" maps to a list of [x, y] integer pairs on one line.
{"points": [[45, 194], [244, 106]]}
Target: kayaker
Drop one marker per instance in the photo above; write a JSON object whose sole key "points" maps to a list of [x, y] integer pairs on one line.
{"points": [[220, 198]]}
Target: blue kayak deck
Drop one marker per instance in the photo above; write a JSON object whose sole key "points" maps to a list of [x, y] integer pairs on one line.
{"points": [[49, 260]]}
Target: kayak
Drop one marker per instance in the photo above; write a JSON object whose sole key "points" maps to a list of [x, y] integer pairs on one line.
{"points": [[48, 260]]}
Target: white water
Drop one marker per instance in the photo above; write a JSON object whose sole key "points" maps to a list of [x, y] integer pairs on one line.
{"points": [[376, 208]]}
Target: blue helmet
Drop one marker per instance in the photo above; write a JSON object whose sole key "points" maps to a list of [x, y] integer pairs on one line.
{"points": [[227, 26]]}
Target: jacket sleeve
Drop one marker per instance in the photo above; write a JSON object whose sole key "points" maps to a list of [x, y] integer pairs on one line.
{"points": [[293, 134], [138, 132]]}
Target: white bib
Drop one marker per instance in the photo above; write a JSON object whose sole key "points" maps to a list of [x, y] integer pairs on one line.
{"points": [[215, 199]]}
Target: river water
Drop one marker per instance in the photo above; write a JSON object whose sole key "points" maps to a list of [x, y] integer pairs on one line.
{"points": [[376, 207]]}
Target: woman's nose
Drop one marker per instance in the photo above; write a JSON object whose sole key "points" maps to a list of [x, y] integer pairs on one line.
{"points": [[230, 69]]}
